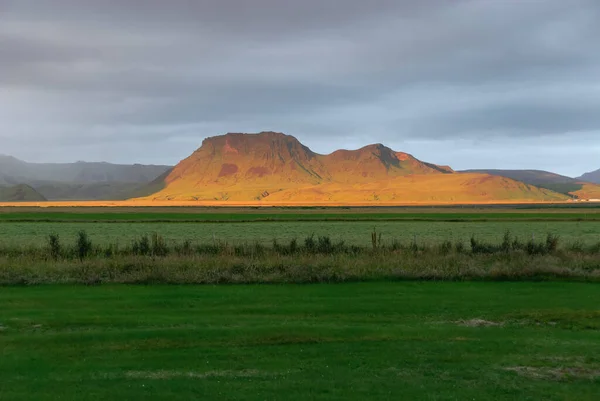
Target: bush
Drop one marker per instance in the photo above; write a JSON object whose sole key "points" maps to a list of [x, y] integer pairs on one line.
{"points": [[185, 249], [54, 246], [517, 245], [482, 247], [111, 250], [324, 245], [445, 247], [279, 249], [396, 245], [576, 247], [83, 246], [141, 246], [375, 239], [159, 245], [552, 242], [309, 244], [506, 242], [258, 249]]}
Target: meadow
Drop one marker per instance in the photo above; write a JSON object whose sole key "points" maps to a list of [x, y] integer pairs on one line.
{"points": [[75, 246], [328, 304], [351, 232], [361, 341], [427, 225], [548, 212]]}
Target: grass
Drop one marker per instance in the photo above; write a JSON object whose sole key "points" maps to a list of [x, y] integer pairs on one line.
{"points": [[371, 335], [562, 212], [152, 260], [367, 341], [292, 217], [356, 232]]}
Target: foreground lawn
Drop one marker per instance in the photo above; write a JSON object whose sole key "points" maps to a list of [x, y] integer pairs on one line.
{"points": [[368, 341]]}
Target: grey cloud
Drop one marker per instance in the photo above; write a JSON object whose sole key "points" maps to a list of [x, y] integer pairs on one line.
{"points": [[332, 72], [521, 120]]}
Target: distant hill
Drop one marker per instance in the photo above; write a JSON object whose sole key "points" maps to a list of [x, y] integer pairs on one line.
{"points": [[80, 180], [95, 191], [12, 169], [574, 187], [593, 176], [540, 178], [157, 185], [272, 166], [20, 193]]}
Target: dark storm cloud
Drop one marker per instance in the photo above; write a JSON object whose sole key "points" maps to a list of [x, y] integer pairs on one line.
{"points": [[97, 77]]}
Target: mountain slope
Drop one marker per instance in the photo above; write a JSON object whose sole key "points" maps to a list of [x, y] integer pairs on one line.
{"points": [[593, 176], [58, 191], [152, 187], [272, 166], [574, 187], [14, 170], [433, 188], [20, 193], [374, 162], [79, 181]]}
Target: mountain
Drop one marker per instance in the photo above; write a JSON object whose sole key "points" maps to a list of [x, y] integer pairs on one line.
{"points": [[80, 180], [12, 169], [272, 166], [593, 176], [20, 193], [573, 187]]}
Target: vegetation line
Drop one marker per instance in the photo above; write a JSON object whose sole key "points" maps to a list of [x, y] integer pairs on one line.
{"points": [[311, 219], [153, 259]]}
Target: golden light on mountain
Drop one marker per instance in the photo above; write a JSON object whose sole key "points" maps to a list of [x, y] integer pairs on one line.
{"points": [[274, 167]]}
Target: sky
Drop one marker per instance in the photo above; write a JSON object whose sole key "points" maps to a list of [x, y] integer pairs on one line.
{"points": [[468, 83]]}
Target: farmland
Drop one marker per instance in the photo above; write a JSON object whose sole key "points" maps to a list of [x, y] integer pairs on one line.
{"points": [[329, 304], [205, 246], [352, 232], [20, 226]]}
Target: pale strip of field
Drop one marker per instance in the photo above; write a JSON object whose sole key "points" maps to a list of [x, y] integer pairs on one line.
{"points": [[154, 203]]}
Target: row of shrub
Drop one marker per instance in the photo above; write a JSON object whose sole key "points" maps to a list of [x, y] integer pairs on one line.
{"points": [[155, 245]]}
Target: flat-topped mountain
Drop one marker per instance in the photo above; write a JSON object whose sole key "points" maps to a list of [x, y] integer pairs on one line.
{"points": [[274, 166]]}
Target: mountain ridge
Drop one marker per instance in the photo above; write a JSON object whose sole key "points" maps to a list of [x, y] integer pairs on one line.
{"points": [[79, 180], [275, 166], [20, 193], [592, 176], [573, 187]]}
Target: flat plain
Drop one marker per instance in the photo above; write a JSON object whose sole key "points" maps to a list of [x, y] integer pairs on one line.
{"points": [[31, 226], [382, 328], [352, 232]]}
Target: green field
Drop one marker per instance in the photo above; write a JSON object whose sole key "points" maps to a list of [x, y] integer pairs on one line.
{"points": [[352, 232], [374, 331], [293, 215], [31, 226], [369, 341]]}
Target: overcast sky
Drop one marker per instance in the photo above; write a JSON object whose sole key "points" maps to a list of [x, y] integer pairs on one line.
{"points": [[472, 83]]}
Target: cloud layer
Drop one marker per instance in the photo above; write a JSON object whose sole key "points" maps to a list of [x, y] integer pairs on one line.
{"points": [[471, 83]]}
